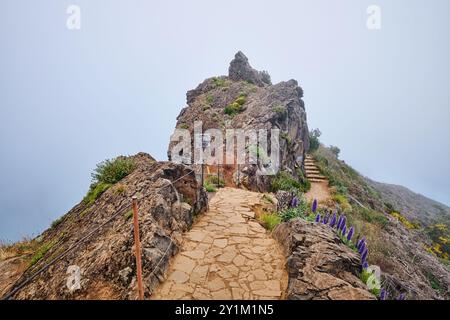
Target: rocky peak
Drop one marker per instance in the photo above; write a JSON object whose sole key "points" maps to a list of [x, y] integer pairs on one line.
{"points": [[241, 70]]}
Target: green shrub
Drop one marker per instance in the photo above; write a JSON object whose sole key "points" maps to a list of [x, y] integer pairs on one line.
{"points": [[183, 126], [343, 202], [57, 222], [40, 253], [112, 171], [435, 283], [220, 82], [279, 109], [209, 99], [95, 191], [335, 150], [209, 187], [105, 175], [270, 220], [301, 211], [314, 142], [128, 215], [284, 181], [235, 107], [241, 100], [372, 216], [215, 181]]}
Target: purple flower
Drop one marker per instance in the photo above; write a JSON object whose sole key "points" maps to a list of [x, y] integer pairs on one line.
{"points": [[365, 265], [294, 202], [325, 220], [350, 234], [362, 247], [344, 230], [338, 225], [364, 255], [318, 218], [401, 297], [314, 206], [361, 242], [383, 294], [343, 222], [333, 220]]}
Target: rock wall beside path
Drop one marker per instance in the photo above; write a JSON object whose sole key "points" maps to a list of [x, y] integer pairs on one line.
{"points": [[320, 266]]}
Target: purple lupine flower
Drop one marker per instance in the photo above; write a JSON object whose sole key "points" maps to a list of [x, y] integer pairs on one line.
{"points": [[402, 296], [318, 218], [333, 220], [350, 234], [294, 202], [314, 206], [325, 219], [338, 225], [365, 265], [362, 247], [364, 255], [383, 294], [342, 225], [344, 230], [361, 242]]}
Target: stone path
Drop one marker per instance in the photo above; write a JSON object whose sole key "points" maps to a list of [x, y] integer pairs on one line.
{"points": [[319, 184], [227, 255]]}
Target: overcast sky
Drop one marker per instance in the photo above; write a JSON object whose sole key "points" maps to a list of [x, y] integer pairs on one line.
{"points": [[69, 99]]}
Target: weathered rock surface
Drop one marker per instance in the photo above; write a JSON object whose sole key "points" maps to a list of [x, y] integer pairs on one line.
{"points": [[240, 70], [320, 266], [106, 260], [265, 106]]}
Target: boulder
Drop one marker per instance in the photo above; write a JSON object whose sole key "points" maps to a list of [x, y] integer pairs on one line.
{"points": [[320, 266]]}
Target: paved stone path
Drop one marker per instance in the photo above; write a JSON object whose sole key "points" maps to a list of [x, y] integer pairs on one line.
{"points": [[227, 255]]}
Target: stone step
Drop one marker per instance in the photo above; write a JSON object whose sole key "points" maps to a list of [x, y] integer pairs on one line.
{"points": [[315, 176], [316, 180], [312, 171]]}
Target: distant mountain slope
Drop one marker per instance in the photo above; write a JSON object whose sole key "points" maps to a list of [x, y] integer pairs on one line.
{"points": [[413, 258], [413, 206]]}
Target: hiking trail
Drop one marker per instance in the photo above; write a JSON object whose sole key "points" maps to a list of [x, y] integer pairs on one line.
{"points": [[320, 189], [226, 255]]}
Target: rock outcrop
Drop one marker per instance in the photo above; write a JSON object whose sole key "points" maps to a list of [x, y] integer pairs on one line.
{"points": [[246, 99], [240, 70], [320, 266], [168, 198]]}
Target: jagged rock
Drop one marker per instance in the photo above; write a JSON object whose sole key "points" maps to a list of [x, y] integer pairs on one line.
{"points": [[240, 70], [265, 106], [106, 260], [319, 265]]}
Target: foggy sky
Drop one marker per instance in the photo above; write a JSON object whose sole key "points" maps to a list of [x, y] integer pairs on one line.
{"points": [[70, 99]]}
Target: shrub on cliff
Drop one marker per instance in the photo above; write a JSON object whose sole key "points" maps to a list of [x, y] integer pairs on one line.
{"points": [[106, 174], [314, 142]]}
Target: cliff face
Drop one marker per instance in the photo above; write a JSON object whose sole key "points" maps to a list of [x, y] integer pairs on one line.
{"points": [[168, 197], [246, 99]]}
